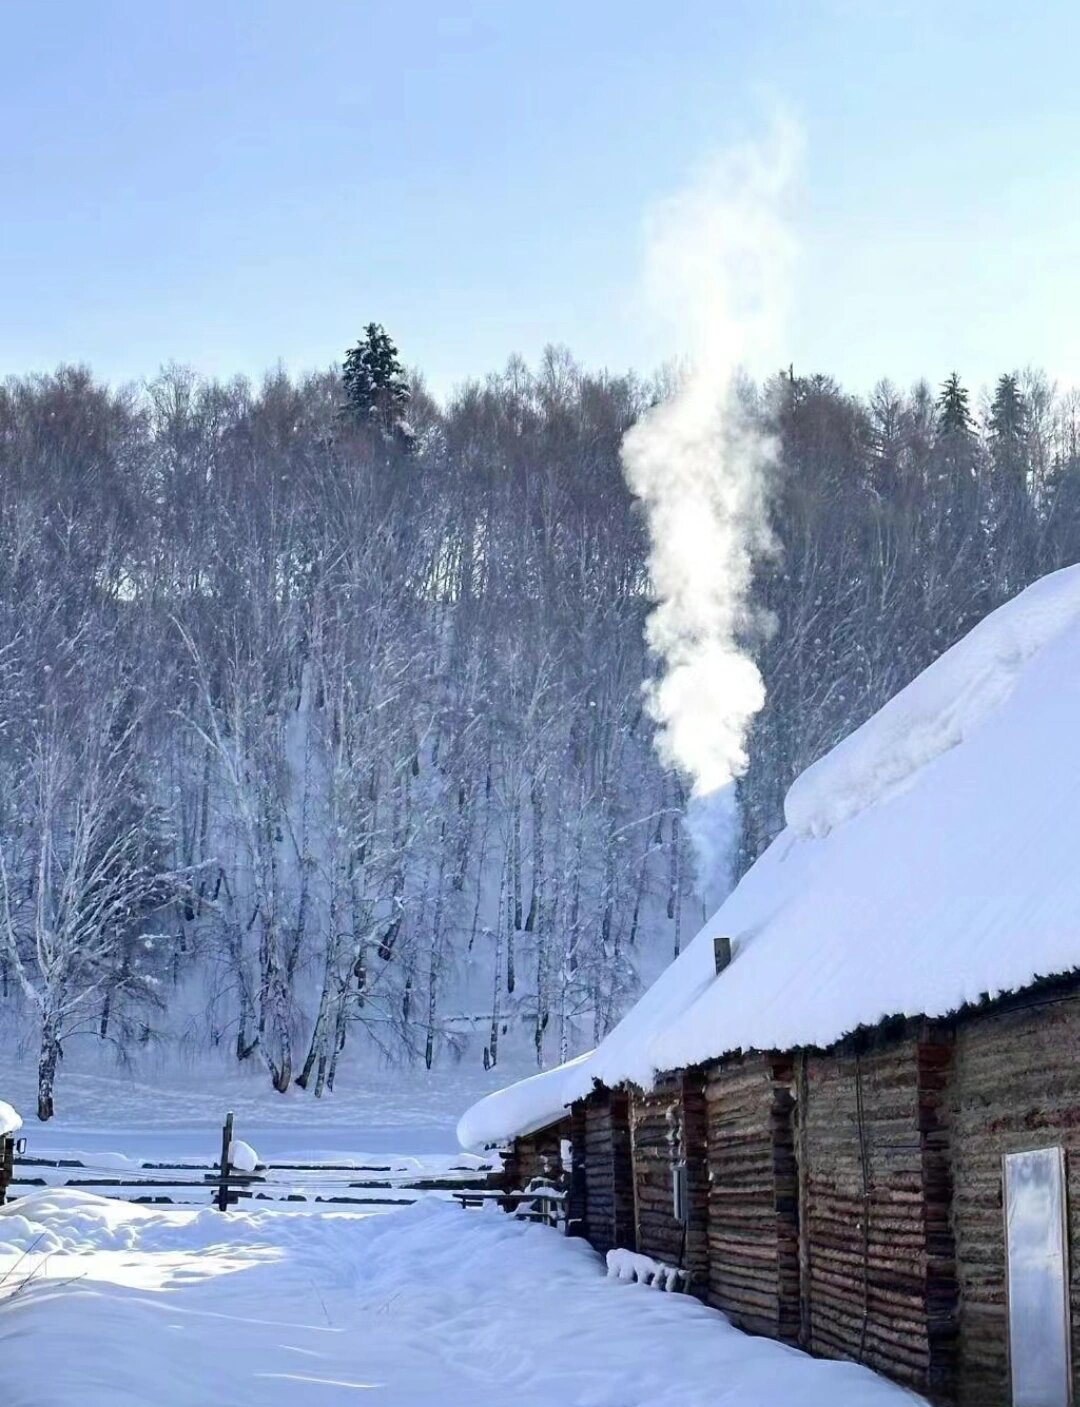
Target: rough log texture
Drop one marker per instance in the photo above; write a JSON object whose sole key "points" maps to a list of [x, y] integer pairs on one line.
{"points": [[656, 1127], [753, 1270], [696, 1152], [1014, 1085], [603, 1147], [536, 1155], [577, 1206], [876, 1250], [667, 1126]]}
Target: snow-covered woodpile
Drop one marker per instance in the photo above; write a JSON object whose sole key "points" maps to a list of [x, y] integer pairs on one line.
{"points": [[900, 1013]]}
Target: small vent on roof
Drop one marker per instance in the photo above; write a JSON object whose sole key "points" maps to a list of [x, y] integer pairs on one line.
{"points": [[721, 952]]}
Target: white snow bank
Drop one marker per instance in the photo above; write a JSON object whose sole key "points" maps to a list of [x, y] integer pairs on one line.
{"points": [[636, 1269], [423, 1306], [242, 1156], [960, 881], [120, 1162], [10, 1119], [524, 1107], [938, 710]]}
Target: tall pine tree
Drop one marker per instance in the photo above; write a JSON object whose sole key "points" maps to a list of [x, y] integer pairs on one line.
{"points": [[954, 415], [376, 387], [1010, 502]]}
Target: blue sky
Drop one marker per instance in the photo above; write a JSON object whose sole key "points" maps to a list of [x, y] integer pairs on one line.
{"points": [[228, 184]]}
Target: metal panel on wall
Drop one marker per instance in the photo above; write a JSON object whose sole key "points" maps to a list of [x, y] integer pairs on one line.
{"points": [[1037, 1260]]}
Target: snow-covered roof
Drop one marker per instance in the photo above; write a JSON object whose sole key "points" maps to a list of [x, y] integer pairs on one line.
{"points": [[929, 860], [10, 1119], [531, 1104]]}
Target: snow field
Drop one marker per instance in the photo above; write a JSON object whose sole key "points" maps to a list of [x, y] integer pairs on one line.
{"points": [[126, 1306]]}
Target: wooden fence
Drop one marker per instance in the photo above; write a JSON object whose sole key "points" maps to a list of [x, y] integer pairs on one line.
{"points": [[385, 1183]]}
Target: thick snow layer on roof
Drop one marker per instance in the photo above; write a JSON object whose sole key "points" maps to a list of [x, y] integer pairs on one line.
{"points": [[526, 1106], [930, 860], [936, 711], [10, 1119]]}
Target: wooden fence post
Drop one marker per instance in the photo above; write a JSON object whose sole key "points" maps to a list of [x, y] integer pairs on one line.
{"points": [[8, 1171], [226, 1148]]}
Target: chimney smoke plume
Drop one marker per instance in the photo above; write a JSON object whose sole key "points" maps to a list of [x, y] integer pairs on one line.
{"points": [[718, 269]]}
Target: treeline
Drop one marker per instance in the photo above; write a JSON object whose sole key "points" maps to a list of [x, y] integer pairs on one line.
{"points": [[321, 721], [320, 718]]}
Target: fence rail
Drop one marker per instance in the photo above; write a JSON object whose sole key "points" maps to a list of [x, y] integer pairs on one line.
{"points": [[193, 1182]]}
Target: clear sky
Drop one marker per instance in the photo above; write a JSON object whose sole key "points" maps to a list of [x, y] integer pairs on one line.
{"points": [[227, 183]]}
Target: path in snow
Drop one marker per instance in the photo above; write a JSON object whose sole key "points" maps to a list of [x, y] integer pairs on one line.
{"points": [[133, 1307]]}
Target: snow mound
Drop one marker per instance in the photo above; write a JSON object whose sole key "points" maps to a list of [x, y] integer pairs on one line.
{"points": [[10, 1119], [118, 1162], [636, 1269], [937, 711], [242, 1156]]}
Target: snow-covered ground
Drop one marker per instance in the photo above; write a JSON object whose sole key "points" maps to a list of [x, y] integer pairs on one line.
{"points": [[167, 1111], [110, 1305], [394, 1131]]}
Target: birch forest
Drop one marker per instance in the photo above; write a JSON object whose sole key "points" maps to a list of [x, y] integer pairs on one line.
{"points": [[322, 736]]}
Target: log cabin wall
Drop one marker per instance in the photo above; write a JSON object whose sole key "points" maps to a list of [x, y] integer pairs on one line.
{"points": [[696, 1153], [878, 1280], [753, 1265], [535, 1155], [577, 1204], [1014, 1085], [656, 1135], [667, 1127], [608, 1170]]}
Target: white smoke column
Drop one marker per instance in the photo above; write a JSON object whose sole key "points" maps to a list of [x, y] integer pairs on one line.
{"points": [[718, 266]]}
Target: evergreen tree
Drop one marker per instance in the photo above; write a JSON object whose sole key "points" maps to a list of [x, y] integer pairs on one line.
{"points": [[376, 388], [1008, 417], [954, 415], [1010, 506]]}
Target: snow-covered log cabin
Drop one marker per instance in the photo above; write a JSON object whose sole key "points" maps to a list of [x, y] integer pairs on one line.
{"points": [[851, 1108]]}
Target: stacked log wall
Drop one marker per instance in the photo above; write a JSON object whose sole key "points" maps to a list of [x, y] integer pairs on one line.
{"points": [[656, 1127], [1014, 1086], [753, 1266], [696, 1154], [608, 1171], [577, 1205], [536, 1156], [878, 1278]]}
